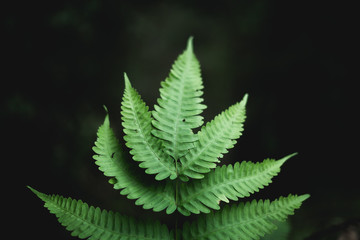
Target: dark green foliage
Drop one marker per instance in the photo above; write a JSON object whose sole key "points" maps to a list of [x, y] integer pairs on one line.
{"points": [[183, 163]]}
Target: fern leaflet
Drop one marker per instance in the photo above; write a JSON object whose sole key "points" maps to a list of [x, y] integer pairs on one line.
{"points": [[179, 105], [247, 221], [86, 221], [227, 182], [214, 140], [112, 164], [137, 127]]}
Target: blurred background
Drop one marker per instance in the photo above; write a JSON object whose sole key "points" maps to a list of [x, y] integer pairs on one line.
{"points": [[64, 60]]}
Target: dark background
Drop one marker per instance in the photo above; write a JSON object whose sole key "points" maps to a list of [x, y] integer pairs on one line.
{"points": [[65, 59]]}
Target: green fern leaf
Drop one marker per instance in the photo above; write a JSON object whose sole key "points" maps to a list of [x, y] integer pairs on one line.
{"points": [[145, 147], [247, 221], [214, 140], [163, 143], [178, 109], [156, 196], [227, 182], [86, 221]]}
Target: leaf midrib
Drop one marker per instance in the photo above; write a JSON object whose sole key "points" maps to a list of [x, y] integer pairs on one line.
{"points": [[179, 112]]}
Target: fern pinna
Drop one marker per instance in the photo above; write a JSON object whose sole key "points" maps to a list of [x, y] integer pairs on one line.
{"points": [[184, 163]]}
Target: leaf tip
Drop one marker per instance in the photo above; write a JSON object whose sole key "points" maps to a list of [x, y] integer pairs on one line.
{"points": [[284, 159], [37, 193], [106, 110], [33, 190], [106, 120], [127, 81], [245, 98], [305, 196], [190, 43]]}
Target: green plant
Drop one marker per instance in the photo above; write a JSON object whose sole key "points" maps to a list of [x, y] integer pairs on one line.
{"points": [[184, 166]]}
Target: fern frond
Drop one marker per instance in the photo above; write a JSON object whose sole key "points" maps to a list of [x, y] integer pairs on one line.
{"points": [[156, 196], [227, 182], [86, 221], [247, 221], [214, 140], [179, 105], [145, 147]]}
